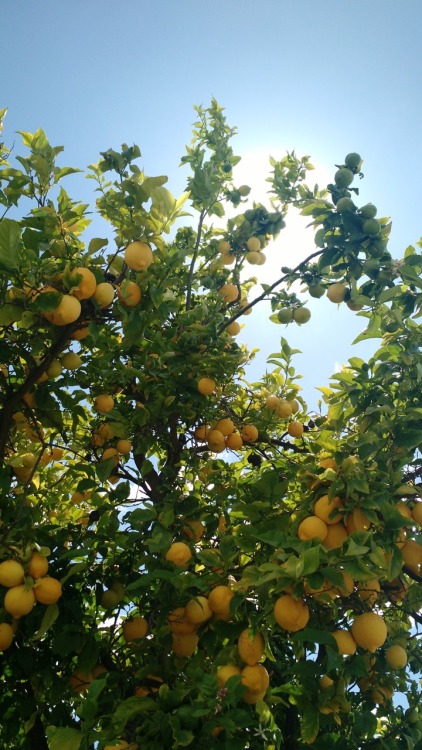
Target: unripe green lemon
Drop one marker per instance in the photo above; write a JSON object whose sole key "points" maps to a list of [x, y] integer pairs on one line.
{"points": [[368, 211], [316, 291], [285, 315], [301, 315], [353, 161], [345, 204], [371, 226], [343, 177]]}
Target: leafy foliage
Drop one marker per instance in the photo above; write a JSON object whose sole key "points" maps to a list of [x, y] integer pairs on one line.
{"points": [[144, 493]]}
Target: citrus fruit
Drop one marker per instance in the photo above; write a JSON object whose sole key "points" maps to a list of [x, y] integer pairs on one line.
{"points": [[219, 601], [253, 244], [68, 310], [251, 647], [343, 177], [38, 565], [206, 386], [226, 426], [291, 614], [369, 631], [110, 599], [194, 530], [80, 681], [48, 590], [224, 247], [134, 628], [215, 440], [104, 294], [179, 554], [124, 446], [285, 315], [336, 534], [198, 610], [129, 293], [225, 672], [6, 636], [256, 680], [253, 258], [233, 328], [346, 644], [325, 508], [85, 288], [234, 441], [184, 645], [336, 292], [103, 403], [396, 657], [178, 622], [229, 293], [11, 573], [249, 433], [312, 527], [271, 402], [316, 291], [357, 521], [371, 226], [353, 161], [368, 591], [345, 204], [369, 211], [284, 408], [19, 600], [71, 361], [417, 513], [295, 429], [138, 256], [301, 315]]}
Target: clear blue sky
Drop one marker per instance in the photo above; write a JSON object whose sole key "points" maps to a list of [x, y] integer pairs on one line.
{"points": [[326, 78]]}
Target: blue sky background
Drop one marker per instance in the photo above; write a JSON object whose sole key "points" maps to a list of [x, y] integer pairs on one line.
{"points": [[324, 78]]}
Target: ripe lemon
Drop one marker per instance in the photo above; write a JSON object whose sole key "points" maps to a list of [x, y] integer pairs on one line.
{"points": [[38, 565], [216, 442], [48, 590], [283, 409], [253, 258], [336, 293], [396, 657], [138, 256], [229, 293], [225, 672], [234, 441], [224, 247], [346, 644], [19, 600], [184, 645], [129, 294], [201, 433], [336, 534], [291, 614], [369, 631], [110, 599], [103, 403], [54, 369], [87, 286], [312, 527], [234, 328], [411, 552], [251, 647], [417, 513], [271, 402], [253, 244], [249, 433], [198, 610], [7, 635], [104, 294], [325, 682], [295, 429], [110, 453], [219, 601], [226, 426], [134, 628], [178, 622], [79, 334], [124, 446], [179, 554], [11, 573], [256, 680], [325, 508], [68, 310], [206, 386]]}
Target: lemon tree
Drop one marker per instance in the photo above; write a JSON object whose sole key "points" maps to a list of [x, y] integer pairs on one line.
{"points": [[189, 559]]}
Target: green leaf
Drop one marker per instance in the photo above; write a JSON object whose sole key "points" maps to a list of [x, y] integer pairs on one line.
{"points": [[129, 709], [309, 725], [10, 240], [96, 244], [63, 738], [50, 616], [314, 636], [10, 313]]}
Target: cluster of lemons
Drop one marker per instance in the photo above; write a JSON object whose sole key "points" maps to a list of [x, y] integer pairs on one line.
{"points": [[24, 589]]}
